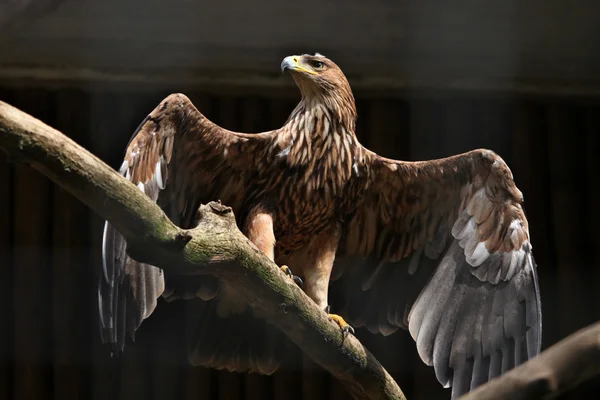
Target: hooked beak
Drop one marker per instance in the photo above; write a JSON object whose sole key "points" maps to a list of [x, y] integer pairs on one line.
{"points": [[293, 64]]}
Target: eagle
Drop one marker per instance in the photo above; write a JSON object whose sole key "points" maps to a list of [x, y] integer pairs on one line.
{"points": [[440, 248]]}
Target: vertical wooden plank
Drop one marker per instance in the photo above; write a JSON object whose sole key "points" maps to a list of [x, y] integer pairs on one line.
{"points": [[585, 200], [427, 140], [253, 119], [588, 190], [388, 128], [32, 277], [337, 390], [494, 126], [315, 380], [476, 123], [71, 274], [530, 162], [458, 132], [102, 131], [592, 189], [6, 293], [136, 364], [166, 349], [200, 382], [151, 365], [565, 165], [135, 369], [254, 115], [105, 140], [230, 384], [6, 274]]}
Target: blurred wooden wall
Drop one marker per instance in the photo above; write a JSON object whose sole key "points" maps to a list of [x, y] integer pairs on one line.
{"points": [[50, 243]]}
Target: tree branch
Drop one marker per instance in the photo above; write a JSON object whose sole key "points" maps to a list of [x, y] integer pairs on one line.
{"points": [[556, 370], [215, 246]]}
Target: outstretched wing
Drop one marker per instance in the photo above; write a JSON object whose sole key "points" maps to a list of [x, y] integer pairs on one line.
{"points": [[442, 248], [179, 159]]}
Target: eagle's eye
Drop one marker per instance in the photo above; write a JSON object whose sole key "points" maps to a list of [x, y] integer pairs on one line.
{"points": [[315, 64]]}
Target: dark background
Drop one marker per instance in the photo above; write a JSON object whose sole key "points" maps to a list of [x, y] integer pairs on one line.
{"points": [[522, 80]]}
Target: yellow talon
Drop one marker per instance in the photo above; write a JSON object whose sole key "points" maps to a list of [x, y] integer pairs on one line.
{"points": [[344, 326], [286, 270]]}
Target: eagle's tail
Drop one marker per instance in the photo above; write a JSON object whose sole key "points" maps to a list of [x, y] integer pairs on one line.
{"points": [[233, 340]]}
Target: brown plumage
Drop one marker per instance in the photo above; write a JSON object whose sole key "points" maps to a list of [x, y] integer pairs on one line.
{"points": [[440, 247]]}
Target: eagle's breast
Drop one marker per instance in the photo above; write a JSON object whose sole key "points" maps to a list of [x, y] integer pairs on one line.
{"points": [[320, 180]]}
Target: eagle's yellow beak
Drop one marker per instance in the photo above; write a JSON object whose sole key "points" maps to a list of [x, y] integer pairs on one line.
{"points": [[293, 64]]}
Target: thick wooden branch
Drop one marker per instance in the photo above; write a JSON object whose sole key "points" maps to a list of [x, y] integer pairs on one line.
{"points": [[558, 369], [216, 247]]}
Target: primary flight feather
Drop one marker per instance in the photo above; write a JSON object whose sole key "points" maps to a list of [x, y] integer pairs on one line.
{"points": [[439, 247]]}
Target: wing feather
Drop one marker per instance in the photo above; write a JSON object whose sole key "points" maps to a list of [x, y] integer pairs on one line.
{"points": [[442, 249], [174, 157]]}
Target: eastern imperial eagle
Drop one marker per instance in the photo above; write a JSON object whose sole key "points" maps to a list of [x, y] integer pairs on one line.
{"points": [[440, 247]]}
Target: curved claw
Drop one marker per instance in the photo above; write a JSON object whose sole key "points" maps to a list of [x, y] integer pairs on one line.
{"points": [[286, 270], [298, 281], [344, 326]]}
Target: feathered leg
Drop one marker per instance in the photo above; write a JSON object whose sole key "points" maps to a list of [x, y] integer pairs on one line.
{"points": [[259, 229], [316, 266]]}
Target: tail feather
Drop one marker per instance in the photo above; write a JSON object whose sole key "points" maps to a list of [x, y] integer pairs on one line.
{"points": [[239, 342], [127, 291]]}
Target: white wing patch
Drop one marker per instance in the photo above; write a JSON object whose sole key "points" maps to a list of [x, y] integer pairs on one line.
{"points": [[478, 255], [158, 174], [489, 267], [285, 152]]}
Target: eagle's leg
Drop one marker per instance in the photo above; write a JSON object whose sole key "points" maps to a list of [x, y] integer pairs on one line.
{"points": [[317, 272], [258, 227]]}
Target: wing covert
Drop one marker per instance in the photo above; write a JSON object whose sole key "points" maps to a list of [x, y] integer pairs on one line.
{"points": [[442, 248], [179, 159]]}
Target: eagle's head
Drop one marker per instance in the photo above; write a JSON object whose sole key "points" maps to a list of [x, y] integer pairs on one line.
{"points": [[319, 78]]}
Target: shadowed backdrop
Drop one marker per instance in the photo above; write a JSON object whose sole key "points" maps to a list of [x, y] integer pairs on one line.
{"points": [[431, 79], [50, 243]]}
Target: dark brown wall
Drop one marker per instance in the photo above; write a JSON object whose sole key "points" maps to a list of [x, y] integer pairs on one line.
{"points": [[50, 243]]}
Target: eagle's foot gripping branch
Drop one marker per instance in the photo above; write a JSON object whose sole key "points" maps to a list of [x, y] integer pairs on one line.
{"points": [[344, 326], [286, 270]]}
